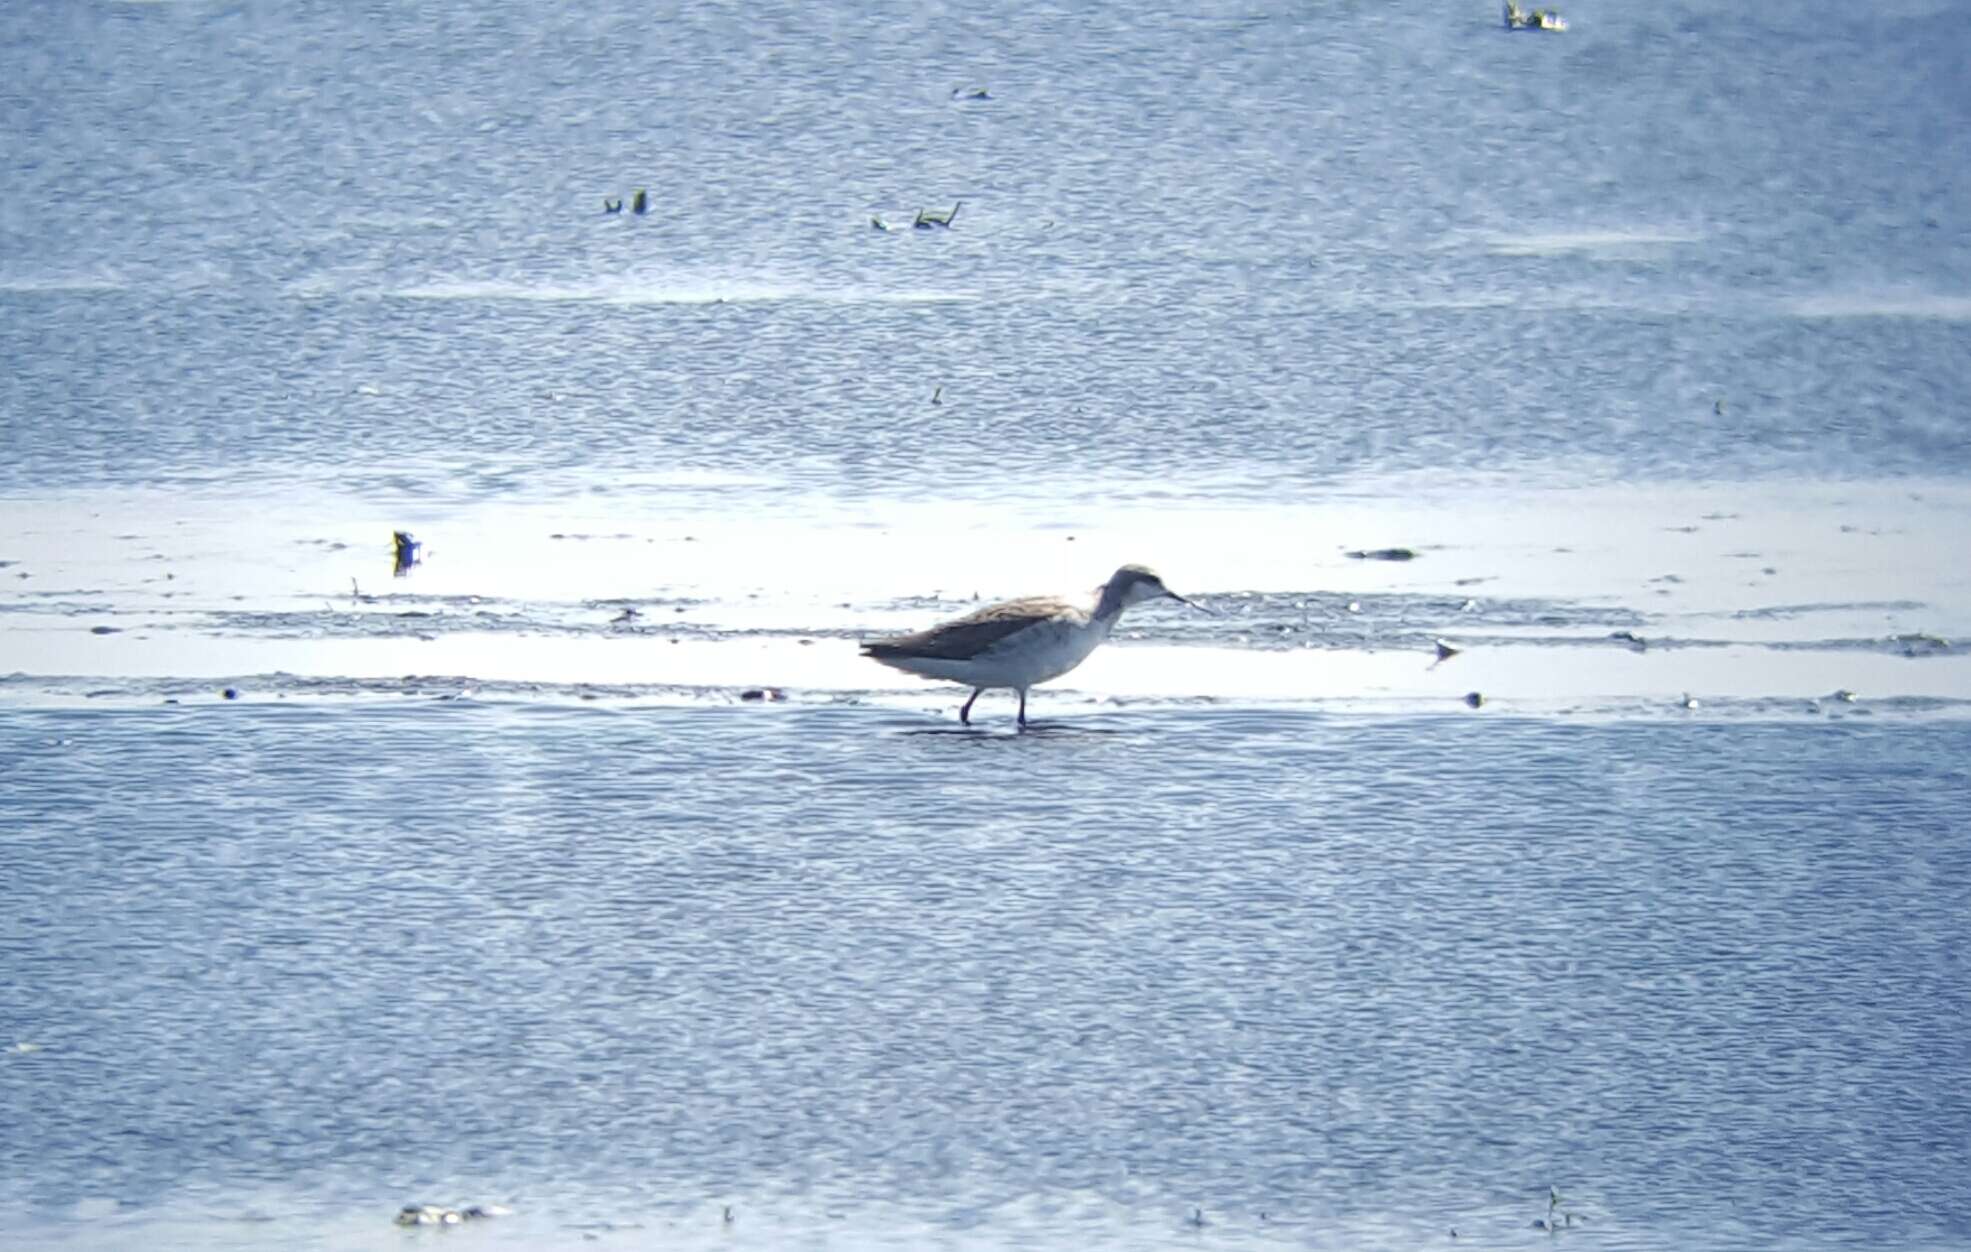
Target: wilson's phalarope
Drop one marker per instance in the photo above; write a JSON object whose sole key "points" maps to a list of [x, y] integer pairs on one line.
{"points": [[1019, 643]]}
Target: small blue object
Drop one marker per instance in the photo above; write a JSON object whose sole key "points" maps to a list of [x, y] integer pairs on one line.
{"points": [[406, 550]]}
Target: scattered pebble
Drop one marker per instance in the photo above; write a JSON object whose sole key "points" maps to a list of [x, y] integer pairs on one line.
{"points": [[1473, 699], [231, 693]]}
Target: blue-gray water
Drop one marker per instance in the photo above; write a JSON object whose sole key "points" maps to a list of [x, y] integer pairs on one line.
{"points": [[1277, 243], [1354, 973], [269, 971]]}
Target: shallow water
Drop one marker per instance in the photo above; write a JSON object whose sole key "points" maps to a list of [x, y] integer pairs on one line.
{"points": [[1279, 248], [327, 888], [1376, 978]]}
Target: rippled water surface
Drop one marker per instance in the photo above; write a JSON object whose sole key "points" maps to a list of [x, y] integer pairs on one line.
{"points": [[1339, 982], [1566, 432], [368, 243]]}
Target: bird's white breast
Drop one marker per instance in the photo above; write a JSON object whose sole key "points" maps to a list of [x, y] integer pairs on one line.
{"points": [[1045, 650]]}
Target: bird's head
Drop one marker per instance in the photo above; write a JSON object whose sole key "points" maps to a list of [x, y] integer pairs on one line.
{"points": [[1134, 584]]}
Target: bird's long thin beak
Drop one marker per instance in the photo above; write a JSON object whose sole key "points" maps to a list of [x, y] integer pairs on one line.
{"points": [[1193, 603]]}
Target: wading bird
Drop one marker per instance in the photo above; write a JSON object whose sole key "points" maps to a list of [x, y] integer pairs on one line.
{"points": [[1019, 643]]}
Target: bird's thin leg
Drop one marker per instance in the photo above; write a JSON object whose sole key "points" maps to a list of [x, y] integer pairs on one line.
{"points": [[965, 714], [1023, 706]]}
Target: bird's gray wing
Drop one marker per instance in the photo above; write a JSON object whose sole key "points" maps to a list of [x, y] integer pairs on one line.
{"points": [[968, 636]]}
